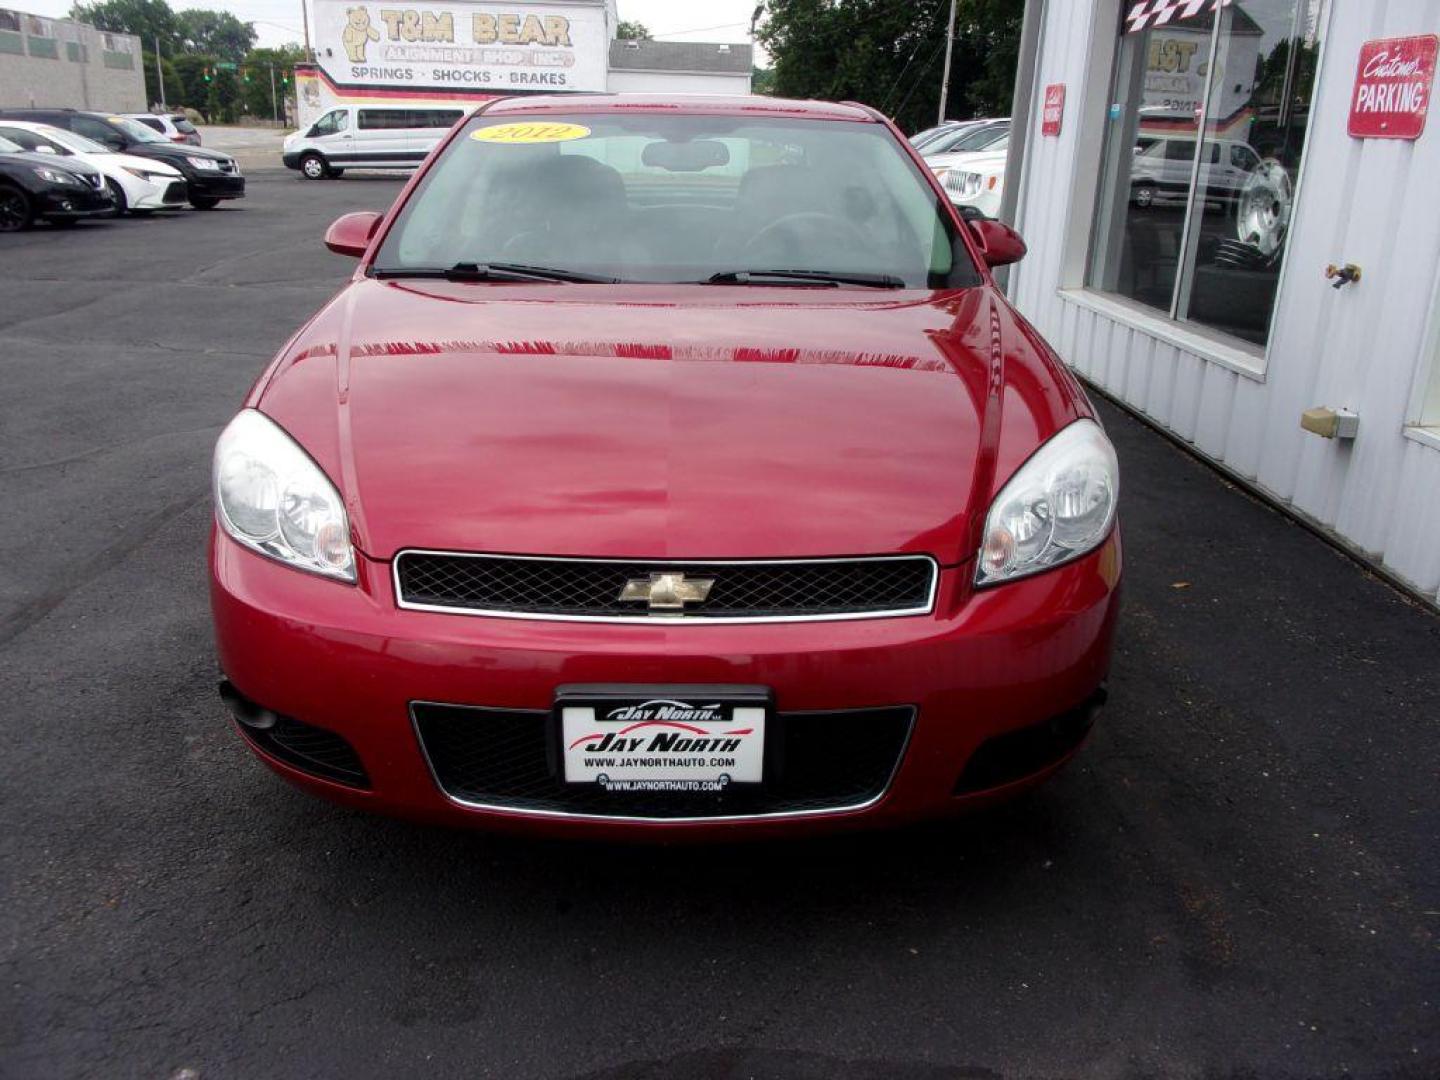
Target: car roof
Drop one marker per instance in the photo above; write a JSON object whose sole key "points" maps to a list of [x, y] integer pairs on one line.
{"points": [[694, 104], [55, 112]]}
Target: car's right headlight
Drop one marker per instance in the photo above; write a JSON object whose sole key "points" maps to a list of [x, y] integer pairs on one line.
{"points": [[271, 497], [1057, 507]]}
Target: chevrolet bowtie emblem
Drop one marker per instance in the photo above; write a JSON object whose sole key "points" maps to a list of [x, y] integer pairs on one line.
{"points": [[668, 592]]}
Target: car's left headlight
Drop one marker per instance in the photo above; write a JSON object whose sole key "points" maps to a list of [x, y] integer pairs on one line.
{"points": [[56, 176], [204, 164], [271, 497], [145, 174], [1057, 507]]}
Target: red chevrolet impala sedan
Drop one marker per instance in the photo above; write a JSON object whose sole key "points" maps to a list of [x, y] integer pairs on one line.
{"points": [[667, 467]]}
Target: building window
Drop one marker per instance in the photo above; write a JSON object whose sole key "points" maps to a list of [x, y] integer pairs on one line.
{"points": [[1207, 122], [9, 20]]}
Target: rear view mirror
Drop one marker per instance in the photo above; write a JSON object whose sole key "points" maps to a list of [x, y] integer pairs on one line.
{"points": [[351, 234], [999, 243], [691, 156]]}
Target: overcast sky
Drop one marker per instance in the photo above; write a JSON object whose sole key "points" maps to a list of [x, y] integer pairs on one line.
{"points": [[278, 21]]}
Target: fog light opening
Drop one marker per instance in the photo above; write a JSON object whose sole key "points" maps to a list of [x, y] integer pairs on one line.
{"points": [[246, 711]]}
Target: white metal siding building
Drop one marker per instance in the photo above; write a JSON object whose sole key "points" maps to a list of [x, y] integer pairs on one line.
{"points": [[1225, 342]]}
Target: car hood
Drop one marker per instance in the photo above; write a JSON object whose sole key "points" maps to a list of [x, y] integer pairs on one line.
{"points": [[130, 161], [660, 421], [53, 161], [978, 161], [175, 152], [965, 157]]}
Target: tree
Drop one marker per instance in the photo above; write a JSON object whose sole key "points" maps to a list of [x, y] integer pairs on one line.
{"points": [[174, 90], [891, 55], [217, 33], [197, 75], [255, 84], [631, 30], [762, 80], [148, 19]]}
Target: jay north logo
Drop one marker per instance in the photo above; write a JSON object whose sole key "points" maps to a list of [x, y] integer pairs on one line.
{"points": [[678, 731]]}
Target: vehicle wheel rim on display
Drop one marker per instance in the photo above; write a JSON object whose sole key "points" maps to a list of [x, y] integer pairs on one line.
{"points": [[313, 168], [1262, 215]]}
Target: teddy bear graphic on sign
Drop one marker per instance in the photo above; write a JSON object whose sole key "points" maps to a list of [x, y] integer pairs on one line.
{"points": [[357, 32]]}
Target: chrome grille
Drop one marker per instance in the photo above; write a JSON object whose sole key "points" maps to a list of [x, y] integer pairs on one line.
{"points": [[591, 588]]}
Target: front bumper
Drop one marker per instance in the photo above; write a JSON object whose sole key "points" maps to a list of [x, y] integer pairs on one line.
{"points": [[981, 666], [71, 203], [161, 195], [206, 185], [290, 159]]}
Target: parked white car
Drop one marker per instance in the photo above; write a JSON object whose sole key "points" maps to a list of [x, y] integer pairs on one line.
{"points": [[174, 126], [943, 163], [977, 182], [140, 185]]}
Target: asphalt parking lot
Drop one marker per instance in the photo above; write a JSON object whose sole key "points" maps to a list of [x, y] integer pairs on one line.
{"points": [[1240, 876]]}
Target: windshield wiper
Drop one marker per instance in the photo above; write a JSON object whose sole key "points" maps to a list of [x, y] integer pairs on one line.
{"points": [[806, 277], [495, 271]]}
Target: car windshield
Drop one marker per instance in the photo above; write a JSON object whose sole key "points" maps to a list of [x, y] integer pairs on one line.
{"points": [[979, 139], [641, 197], [136, 130], [182, 125], [8, 147], [77, 143]]}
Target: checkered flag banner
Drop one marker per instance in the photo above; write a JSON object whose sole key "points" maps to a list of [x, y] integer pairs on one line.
{"points": [[1149, 13]]}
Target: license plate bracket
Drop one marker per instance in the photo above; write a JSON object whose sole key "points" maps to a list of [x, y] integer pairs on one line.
{"points": [[683, 738]]}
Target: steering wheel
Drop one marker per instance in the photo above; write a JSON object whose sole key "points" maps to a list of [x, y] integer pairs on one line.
{"points": [[796, 230]]}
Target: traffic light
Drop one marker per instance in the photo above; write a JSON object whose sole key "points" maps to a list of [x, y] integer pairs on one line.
{"points": [[206, 74]]}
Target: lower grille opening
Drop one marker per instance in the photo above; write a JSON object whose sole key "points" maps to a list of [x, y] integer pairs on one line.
{"points": [[814, 762], [310, 749], [1015, 755]]}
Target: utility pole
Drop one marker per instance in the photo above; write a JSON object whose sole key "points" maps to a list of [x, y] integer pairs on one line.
{"points": [[305, 16], [949, 50], [274, 101], [160, 74]]}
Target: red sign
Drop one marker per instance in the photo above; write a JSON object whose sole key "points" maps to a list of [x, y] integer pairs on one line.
{"points": [[1054, 109], [1392, 88]]}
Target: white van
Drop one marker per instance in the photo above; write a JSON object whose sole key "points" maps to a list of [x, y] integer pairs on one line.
{"points": [[368, 137]]}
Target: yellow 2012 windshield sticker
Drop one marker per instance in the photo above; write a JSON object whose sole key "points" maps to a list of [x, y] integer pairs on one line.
{"points": [[519, 134]]}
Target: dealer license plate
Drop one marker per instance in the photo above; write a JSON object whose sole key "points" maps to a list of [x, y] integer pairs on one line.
{"points": [[662, 738]]}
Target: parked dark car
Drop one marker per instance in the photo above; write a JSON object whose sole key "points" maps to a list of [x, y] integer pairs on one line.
{"points": [[37, 186], [211, 176]]}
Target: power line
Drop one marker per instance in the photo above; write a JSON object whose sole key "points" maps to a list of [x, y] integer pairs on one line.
{"points": [[698, 29], [919, 41]]}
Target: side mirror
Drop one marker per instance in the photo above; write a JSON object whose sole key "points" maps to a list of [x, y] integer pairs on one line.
{"points": [[1000, 244], [351, 234]]}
